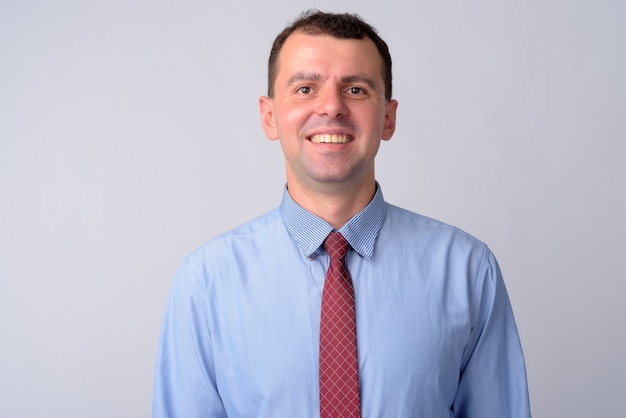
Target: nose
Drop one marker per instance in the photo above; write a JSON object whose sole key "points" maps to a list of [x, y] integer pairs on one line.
{"points": [[331, 103]]}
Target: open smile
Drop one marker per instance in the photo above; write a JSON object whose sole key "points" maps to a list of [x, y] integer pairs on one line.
{"points": [[330, 138]]}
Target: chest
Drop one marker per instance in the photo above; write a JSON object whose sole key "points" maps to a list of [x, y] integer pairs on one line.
{"points": [[412, 327]]}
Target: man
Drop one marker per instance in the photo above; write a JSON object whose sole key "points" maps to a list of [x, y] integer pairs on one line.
{"points": [[246, 331]]}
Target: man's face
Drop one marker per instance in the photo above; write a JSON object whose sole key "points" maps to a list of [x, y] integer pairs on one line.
{"points": [[329, 110]]}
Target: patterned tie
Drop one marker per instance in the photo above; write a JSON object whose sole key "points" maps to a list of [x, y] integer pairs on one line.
{"points": [[339, 368]]}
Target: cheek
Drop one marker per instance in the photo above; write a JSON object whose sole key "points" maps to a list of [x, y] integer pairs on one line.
{"points": [[369, 120], [291, 117]]}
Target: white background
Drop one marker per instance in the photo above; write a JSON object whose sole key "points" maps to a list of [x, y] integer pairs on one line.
{"points": [[129, 135]]}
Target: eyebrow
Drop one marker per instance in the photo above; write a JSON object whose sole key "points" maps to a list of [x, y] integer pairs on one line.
{"points": [[303, 77], [356, 78]]}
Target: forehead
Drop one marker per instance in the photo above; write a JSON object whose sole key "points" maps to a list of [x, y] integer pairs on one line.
{"points": [[325, 53]]}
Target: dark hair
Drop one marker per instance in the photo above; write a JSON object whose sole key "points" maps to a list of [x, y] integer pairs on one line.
{"points": [[342, 26]]}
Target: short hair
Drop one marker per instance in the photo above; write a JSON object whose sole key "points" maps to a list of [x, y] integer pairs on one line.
{"points": [[338, 25]]}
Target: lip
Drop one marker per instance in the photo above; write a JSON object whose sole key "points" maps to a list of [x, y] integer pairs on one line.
{"points": [[330, 138]]}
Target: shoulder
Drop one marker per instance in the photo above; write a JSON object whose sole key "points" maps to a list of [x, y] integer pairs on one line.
{"points": [[240, 241], [251, 229], [438, 250], [425, 237], [402, 220]]}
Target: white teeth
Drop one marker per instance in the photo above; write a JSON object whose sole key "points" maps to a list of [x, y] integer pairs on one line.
{"points": [[329, 139]]}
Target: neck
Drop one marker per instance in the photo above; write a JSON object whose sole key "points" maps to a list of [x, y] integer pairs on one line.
{"points": [[335, 204]]}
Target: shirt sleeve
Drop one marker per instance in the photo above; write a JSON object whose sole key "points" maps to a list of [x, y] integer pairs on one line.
{"points": [[184, 384], [492, 382]]}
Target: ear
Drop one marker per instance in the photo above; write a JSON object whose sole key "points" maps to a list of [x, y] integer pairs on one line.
{"points": [[390, 119], [266, 107]]}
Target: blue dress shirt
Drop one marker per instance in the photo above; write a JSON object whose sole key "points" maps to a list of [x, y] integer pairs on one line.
{"points": [[435, 329]]}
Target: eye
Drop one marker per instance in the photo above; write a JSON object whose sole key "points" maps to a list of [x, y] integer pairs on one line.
{"points": [[304, 90], [356, 90]]}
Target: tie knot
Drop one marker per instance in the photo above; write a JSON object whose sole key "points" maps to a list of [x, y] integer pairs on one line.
{"points": [[336, 246]]}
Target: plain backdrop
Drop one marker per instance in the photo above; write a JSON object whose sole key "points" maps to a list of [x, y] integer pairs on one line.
{"points": [[129, 135]]}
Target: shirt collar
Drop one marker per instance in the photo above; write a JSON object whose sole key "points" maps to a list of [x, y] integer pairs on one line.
{"points": [[310, 231]]}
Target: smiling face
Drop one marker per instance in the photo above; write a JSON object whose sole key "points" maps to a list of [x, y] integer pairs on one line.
{"points": [[329, 112]]}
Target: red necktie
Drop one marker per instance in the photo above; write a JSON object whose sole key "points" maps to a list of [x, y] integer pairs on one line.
{"points": [[339, 368]]}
